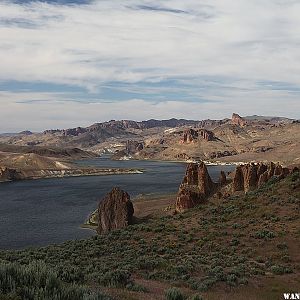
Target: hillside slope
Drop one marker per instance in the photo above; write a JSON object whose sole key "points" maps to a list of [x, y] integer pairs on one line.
{"points": [[242, 247]]}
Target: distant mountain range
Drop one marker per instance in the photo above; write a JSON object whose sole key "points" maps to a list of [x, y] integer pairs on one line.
{"points": [[230, 139]]}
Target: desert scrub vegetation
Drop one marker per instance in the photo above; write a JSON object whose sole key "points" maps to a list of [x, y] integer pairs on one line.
{"points": [[36, 281], [174, 294], [219, 243]]}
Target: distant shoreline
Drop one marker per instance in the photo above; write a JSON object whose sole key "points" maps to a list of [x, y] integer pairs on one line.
{"points": [[48, 174], [208, 163]]}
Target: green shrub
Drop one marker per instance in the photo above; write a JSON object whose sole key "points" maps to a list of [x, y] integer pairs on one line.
{"points": [[295, 176], [136, 287], [116, 278], [35, 281], [280, 270], [264, 234], [174, 294]]}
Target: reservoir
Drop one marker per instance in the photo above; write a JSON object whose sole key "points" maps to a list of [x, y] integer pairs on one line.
{"points": [[47, 211]]}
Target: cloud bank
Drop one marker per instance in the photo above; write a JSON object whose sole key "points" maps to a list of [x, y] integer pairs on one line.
{"points": [[176, 57]]}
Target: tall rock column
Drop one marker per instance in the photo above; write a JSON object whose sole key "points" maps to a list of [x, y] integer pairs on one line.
{"points": [[115, 211], [238, 180], [205, 183], [195, 187], [250, 178], [222, 179]]}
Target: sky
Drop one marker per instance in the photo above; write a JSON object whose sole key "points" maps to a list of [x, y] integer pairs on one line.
{"points": [[69, 63]]}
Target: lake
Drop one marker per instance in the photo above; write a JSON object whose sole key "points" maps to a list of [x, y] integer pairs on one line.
{"points": [[47, 211]]}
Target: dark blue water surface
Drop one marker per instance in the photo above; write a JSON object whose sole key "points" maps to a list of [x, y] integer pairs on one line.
{"points": [[46, 211]]}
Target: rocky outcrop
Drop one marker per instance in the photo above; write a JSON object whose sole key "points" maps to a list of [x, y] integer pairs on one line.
{"points": [[251, 176], [192, 135], [182, 156], [191, 175], [263, 178], [74, 131], [222, 179], [238, 120], [133, 146], [25, 132], [206, 135], [205, 183], [219, 154], [7, 174], [238, 180], [195, 188], [189, 136], [115, 211]]}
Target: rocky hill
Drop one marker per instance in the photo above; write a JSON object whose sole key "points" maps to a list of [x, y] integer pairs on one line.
{"points": [[34, 162], [239, 139]]}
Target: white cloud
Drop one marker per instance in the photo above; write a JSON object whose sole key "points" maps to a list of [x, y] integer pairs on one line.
{"points": [[109, 40], [89, 45]]}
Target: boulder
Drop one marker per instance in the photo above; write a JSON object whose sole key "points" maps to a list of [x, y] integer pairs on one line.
{"points": [[115, 211]]}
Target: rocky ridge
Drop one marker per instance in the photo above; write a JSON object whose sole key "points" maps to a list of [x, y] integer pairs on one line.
{"points": [[252, 176], [197, 185]]}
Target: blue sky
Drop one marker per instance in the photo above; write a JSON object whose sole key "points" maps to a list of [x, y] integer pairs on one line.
{"points": [[72, 63]]}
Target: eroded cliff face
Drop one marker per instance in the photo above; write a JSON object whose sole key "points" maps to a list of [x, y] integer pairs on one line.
{"points": [[192, 135], [115, 211], [252, 176], [195, 188]]}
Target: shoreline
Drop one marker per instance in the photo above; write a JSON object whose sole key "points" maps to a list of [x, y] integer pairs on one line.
{"points": [[208, 163], [67, 173]]}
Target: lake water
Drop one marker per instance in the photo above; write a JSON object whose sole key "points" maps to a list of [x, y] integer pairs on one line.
{"points": [[47, 211]]}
